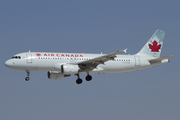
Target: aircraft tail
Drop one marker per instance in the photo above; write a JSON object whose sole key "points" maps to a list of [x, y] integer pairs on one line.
{"points": [[154, 45]]}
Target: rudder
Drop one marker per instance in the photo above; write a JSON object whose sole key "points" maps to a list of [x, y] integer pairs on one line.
{"points": [[154, 45]]}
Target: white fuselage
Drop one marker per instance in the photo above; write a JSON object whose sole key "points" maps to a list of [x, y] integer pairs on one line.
{"points": [[43, 61], [60, 65]]}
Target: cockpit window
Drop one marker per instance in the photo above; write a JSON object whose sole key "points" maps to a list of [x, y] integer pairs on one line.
{"points": [[16, 57]]}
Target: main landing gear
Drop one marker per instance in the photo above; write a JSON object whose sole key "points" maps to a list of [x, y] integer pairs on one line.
{"points": [[27, 78], [79, 80], [88, 77]]}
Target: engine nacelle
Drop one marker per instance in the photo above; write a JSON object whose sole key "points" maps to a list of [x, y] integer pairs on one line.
{"points": [[69, 69], [55, 75]]}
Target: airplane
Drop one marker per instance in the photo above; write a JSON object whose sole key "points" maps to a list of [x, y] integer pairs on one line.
{"points": [[60, 65]]}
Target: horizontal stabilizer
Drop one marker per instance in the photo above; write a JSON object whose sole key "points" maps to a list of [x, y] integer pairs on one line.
{"points": [[159, 59]]}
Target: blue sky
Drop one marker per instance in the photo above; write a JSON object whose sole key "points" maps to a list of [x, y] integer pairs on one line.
{"points": [[90, 27]]}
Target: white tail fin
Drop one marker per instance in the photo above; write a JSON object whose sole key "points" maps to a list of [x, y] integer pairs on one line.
{"points": [[154, 45]]}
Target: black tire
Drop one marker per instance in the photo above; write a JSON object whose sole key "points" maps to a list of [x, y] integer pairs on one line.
{"points": [[27, 78], [88, 77], [79, 81]]}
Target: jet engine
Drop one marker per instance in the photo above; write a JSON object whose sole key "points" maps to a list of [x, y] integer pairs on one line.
{"points": [[55, 75], [69, 69]]}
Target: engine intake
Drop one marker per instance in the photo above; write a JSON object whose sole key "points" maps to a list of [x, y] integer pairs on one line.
{"points": [[69, 69]]}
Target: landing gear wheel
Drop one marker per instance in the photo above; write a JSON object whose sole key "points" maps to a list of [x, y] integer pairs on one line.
{"points": [[27, 78], [79, 81], [88, 77]]}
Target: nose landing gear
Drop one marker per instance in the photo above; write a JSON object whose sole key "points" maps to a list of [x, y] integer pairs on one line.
{"points": [[27, 78]]}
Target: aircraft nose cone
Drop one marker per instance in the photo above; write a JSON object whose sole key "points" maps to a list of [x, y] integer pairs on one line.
{"points": [[8, 63]]}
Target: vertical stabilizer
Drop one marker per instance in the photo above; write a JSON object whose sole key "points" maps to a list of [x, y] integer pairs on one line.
{"points": [[154, 45]]}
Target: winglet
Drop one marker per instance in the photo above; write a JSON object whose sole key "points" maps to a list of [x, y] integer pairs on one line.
{"points": [[125, 50]]}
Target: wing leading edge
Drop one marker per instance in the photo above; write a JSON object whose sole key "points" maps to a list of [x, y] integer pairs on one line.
{"points": [[93, 63]]}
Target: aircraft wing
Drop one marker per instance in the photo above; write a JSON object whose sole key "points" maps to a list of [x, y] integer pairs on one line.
{"points": [[93, 63]]}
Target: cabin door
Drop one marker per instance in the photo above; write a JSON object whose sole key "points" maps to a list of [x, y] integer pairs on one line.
{"points": [[29, 58]]}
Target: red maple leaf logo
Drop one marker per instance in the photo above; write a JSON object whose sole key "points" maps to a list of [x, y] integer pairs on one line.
{"points": [[38, 54], [155, 47]]}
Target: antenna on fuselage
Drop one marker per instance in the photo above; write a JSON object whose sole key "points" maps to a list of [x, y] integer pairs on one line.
{"points": [[29, 51]]}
